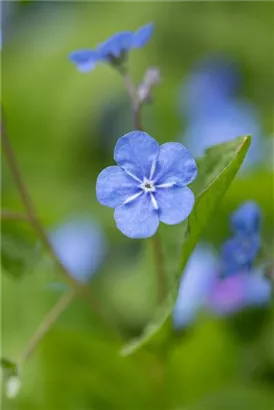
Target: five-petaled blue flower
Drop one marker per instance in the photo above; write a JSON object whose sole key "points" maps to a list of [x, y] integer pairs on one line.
{"points": [[148, 185], [114, 50]]}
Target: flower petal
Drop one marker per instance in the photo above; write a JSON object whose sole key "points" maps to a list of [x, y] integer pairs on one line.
{"points": [[175, 204], [228, 295], [258, 290], [175, 164], [138, 218], [80, 245], [114, 186], [246, 220], [115, 45], [142, 36], [198, 279], [239, 253], [85, 60], [137, 152]]}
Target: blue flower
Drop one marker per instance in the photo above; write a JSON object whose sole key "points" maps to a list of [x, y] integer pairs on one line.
{"points": [[214, 112], [148, 185], [202, 287], [114, 50], [246, 220], [229, 295], [213, 81], [239, 253], [198, 279], [80, 245]]}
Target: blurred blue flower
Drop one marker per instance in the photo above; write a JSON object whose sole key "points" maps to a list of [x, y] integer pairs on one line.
{"points": [[246, 220], [80, 245], [202, 287], [230, 283], [236, 292], [148, 185], [214, 80], [214, 115], [114, 50], [239, 253], [197, 281]]}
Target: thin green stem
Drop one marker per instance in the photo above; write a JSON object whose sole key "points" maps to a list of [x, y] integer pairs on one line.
{"points": [[39, 229], [159, 267], [49, 320]]}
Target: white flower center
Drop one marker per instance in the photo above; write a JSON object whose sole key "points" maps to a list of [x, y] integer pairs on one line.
{"points": [[148, 185]]}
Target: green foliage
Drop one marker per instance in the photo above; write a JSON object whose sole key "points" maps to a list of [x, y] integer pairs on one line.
{"points": [[216, 171], [8, 365], [19, 252], [54, 120], [11, 378]]}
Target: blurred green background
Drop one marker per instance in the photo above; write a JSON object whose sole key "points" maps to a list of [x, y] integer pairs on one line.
{"points": [[61, 126]]}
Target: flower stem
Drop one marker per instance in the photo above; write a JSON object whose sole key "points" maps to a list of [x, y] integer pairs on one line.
{"points": [[159, 267], [135, 106], [50, 318], [156, 241], [39, 229], [16, 216]]}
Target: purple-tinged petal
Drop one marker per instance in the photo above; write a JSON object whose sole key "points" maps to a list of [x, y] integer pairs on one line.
{"points": [[175, 204], [114, 187], [197, 281], [115, 45], [142, 36], [137, 152], [137, 218], [258, 290], [175, 165], [85, 60], [246, 220], [228, 295]]}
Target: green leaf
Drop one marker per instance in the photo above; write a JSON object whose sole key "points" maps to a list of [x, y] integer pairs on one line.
{"points": [[217, 170], [18, 249], [8, 365]]}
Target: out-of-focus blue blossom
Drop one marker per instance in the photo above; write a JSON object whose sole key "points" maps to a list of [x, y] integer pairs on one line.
{"points": [[228, 294], [202, 287], [214, 80], [247, 219], [114, 50], [229, 283], [239, 253], [258, 288], [236, 292], [80, 245], [148, 185], [198, 278], [8, 12], [213, 113]]}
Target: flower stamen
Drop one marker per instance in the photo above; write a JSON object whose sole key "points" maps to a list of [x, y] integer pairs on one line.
{"points": [[147, 185]]}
